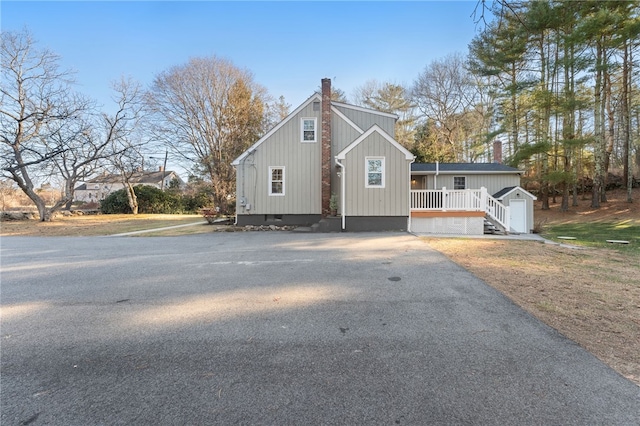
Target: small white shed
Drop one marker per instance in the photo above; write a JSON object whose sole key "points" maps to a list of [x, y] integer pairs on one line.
{"points": [[520, 204]]}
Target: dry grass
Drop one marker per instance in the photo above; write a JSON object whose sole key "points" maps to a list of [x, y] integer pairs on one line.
{"points": [[93, 225], [591, 296]]}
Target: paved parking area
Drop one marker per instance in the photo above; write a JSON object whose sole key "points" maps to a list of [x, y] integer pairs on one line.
{"points": [[279, 328]]}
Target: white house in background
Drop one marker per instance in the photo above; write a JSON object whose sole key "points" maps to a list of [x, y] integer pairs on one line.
{"points": [[97, 189]]}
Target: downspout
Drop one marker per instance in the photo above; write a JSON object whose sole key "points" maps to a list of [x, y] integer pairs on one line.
{"points": [[410, 196], [242, 197], [435, 177], [342, 193]]}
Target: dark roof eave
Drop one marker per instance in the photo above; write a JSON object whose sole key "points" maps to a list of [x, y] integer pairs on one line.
{"points": [[462, 168], [467, 172]]}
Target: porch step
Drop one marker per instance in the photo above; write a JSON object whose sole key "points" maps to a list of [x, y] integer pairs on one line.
{"points": [[491, 229]]}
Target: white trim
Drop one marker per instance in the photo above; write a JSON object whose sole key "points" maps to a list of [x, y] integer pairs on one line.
{"points": [[362, 109], [454, 182], [315, 129], [366, 172], [346, 119], [276, 194], [377, 129], [314, 97]]}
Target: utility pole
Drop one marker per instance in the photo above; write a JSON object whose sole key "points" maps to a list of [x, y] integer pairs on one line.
{"points": [[164, 167]]}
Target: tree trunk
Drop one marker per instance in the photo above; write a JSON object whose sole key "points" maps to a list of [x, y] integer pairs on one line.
{"points": [[626, 118], [609, 141], [598, 133], [133, 199]]}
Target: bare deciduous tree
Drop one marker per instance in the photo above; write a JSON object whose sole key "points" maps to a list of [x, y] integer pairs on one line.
{"points": [[50, 132], [36, 102], [442, 93], [91, 139], [208, 112]]}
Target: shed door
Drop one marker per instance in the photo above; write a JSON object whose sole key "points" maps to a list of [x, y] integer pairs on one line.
{"points": [[518, 215]]}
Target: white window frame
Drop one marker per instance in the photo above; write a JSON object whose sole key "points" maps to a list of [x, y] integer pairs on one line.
{"points": [[366, 172], [459, 177], [315, 129], [271, 181]]}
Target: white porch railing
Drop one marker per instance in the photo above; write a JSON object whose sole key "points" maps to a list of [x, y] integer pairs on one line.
{"points": [[471, 200]]}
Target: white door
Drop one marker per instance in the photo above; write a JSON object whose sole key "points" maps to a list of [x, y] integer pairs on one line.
{"points": [[518, 216]]}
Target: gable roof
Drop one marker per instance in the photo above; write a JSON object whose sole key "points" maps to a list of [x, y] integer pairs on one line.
{"points": [[315, 97], [506, 191], [153, 177], [346, 119], [468, 168], [363, 109], [375, 129]]}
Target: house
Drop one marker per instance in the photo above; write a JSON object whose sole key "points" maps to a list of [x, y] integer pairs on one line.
{"points": [[328, 152], [97, 189], [324, 149]]}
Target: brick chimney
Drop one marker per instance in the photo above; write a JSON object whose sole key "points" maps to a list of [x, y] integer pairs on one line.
{"points": [[497, 151], [326, 146]]}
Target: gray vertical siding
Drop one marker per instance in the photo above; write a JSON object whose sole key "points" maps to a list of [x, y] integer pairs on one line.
{"points": [[342, 134], [364, 119], [393, 199], [302, 171], [302, 163], [493, 182]]}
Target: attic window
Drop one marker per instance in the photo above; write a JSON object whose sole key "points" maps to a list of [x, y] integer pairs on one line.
{"points": [[308, 129], [459, 182]]}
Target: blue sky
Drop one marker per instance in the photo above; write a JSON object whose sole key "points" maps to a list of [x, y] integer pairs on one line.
{"points": [[288, 46]]}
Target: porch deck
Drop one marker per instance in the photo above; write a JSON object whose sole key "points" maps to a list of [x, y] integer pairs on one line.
{"points": [[458, 203]]}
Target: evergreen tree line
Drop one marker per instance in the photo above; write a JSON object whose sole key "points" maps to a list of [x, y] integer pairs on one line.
{"points": [[555, 81], [565, 82]]}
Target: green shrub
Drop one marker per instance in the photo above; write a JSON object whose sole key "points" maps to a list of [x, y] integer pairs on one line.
{"points": [[152, 200], [115, 203]]}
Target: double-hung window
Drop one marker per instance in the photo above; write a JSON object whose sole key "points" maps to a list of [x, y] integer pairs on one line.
{"points": [[459, 182], [276, 180], [374, 169], [308, 129]]}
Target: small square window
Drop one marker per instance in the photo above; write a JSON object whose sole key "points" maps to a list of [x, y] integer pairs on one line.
{"points": [[308, 129], [459, 182]]}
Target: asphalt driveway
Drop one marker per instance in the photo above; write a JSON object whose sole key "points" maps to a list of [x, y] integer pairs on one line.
{"points": [[279, 328]]}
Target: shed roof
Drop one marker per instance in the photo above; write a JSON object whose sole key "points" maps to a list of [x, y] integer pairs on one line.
{"points": [[475, 168], [506, 191]]}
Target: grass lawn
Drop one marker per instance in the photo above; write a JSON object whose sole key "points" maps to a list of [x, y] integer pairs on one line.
{"points": [[596, 234], [95, 225]]}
